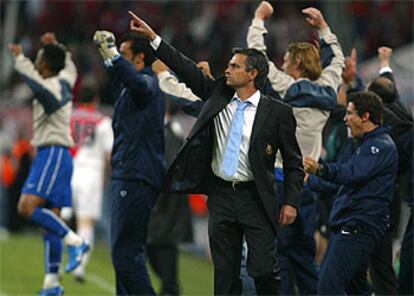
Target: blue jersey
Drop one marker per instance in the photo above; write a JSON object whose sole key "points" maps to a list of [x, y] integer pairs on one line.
{"points": [[138, 124]]}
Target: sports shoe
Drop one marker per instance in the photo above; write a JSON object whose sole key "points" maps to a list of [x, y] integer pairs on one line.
{"points": [[80, 278], [79, 274], [75, 255], [56, 291]]}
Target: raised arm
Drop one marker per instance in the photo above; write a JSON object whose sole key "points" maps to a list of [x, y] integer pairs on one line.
{"points": [[351, 82], [332, 73], [178, 92], [170, 84], [384, 57], [121, 70], [200, 84], [51, 93], [279, 80]]}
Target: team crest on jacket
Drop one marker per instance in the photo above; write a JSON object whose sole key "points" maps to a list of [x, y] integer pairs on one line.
{"points": [[374, 150], [269, 150], [123, 193]]}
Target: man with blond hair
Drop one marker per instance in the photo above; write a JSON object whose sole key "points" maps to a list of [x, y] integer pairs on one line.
{"points": [[310, 89]]}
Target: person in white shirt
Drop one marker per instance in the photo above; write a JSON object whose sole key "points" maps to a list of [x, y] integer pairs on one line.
{"points": [[309, 87], [93, 137]]}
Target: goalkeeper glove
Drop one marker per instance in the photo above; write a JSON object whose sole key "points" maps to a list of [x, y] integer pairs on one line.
{"points": [[105, 41]]}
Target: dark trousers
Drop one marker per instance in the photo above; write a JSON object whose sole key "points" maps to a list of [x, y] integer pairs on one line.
{"points": [[381, 269], [233, 214], [344, 268], [132, 202], [163, 259], [297, 249], [406, 278]]}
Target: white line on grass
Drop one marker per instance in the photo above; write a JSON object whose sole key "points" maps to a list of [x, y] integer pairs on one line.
{"points": [[101, 283], [3, 294]]}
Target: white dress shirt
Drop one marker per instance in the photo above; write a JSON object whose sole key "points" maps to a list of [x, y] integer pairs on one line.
{"points": [[222, 125]]}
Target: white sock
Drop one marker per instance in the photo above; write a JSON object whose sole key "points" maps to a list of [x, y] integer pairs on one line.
{"points": [[72, 239], [51, 280], [86, 231]]}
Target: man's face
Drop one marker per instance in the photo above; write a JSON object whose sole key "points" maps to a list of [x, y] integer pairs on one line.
{"points": [[126, 52], [353, 121], [288, 67], [236, 73]]}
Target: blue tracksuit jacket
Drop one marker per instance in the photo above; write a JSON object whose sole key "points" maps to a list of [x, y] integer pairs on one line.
{"points": [[138, 124], [367, 181]]}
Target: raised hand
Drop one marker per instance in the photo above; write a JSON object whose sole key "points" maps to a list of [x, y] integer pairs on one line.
{"points": [[15, 49], [264, 10], [384, 55], [105, 41], [139, 26], [350, 70], [49, 38], [205, 67], [315, 18]]}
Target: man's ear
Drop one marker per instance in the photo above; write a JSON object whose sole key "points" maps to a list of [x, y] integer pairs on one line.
{"points": [[253, 74], [366, 117], [139, 58]]}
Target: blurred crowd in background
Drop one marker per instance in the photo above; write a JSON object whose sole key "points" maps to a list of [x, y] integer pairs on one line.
{"points": [[207, 30]]}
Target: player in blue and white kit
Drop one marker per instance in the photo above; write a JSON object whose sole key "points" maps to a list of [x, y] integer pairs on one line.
{"points": [[47, 188]]}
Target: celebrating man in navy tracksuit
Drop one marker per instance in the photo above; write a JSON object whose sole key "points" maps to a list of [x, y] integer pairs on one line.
{"points": [[360, 214], [137, 155]]}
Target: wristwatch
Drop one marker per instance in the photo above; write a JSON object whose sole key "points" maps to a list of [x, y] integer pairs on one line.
{"points": [[321, 170]]}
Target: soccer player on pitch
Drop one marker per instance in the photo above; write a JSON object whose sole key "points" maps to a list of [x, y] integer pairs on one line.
{"points": [[47, 188]]}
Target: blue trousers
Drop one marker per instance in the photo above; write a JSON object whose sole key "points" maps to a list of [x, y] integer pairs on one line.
{"points": [[405, 280], [344, 268], [248, 286], [297, 249], [132, 202]]}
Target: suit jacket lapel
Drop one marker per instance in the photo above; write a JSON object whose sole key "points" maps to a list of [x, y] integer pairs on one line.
{"points": [[261, 115], [212, 106]]}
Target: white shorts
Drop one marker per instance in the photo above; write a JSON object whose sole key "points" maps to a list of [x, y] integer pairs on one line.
{"points": [[87, 194]]}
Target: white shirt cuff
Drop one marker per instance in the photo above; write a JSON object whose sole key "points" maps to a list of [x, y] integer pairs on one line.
{"points": [[324, 32], [156, 42], [385, 70], [163, 75], [19, 57], [258, 22]]}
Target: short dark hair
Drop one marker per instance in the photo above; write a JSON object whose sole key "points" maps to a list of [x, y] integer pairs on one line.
{"points": [[385, 88], [54, 57], [367, 101], [255, 60], [86, 94], [138, 45]]}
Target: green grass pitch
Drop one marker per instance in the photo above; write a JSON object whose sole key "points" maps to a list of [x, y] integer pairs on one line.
{"points": [[21, 270]]}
